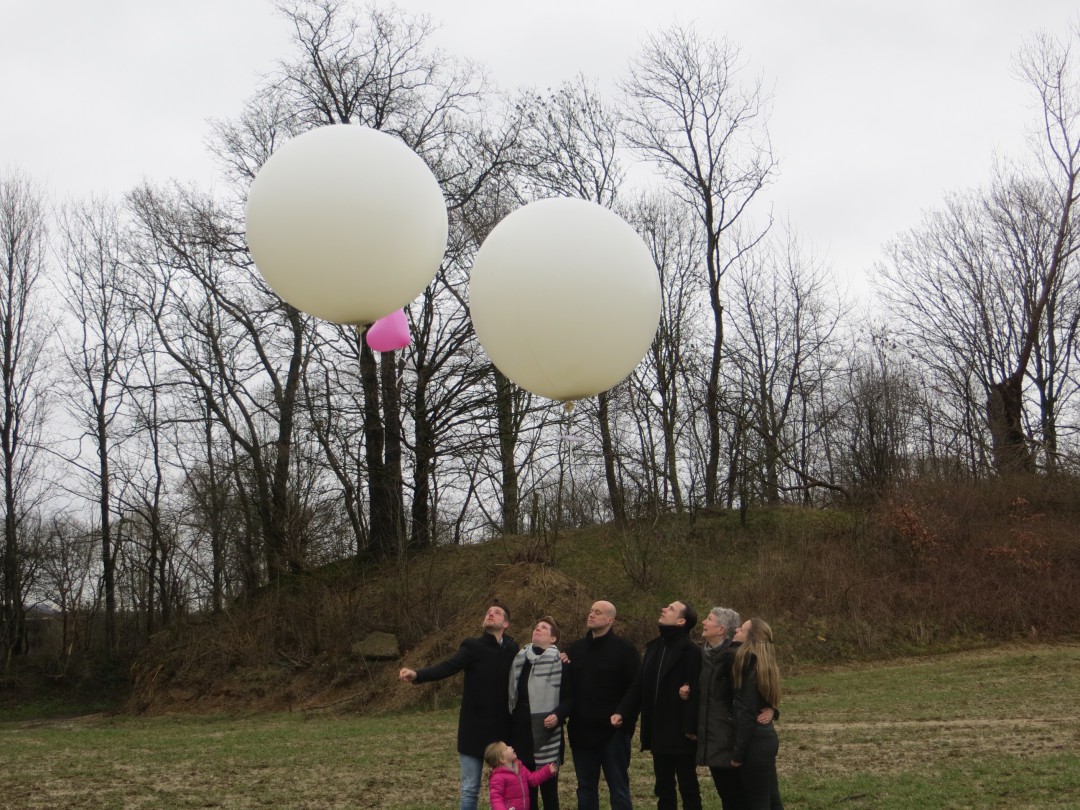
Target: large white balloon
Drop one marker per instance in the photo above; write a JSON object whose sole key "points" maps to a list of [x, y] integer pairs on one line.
{"points": [[565, 298], [346, 223]]}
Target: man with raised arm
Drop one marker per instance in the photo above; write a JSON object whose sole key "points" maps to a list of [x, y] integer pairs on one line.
{"points": [[485, 714]]}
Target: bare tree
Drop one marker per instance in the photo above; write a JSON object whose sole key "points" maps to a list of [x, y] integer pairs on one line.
{"points": [[1052, 365], [510, 404], [67, 568], [669, 384], [879, 442], [97, 356], [1050, 67], [239, 347], [24, 330], [380, 71], [688, 112], [785, 316], [972, 286], [571, 147], [146, 478], [445, 368]]}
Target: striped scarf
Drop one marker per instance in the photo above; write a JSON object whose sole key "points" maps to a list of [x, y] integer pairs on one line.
{"points": [[545, 680]]}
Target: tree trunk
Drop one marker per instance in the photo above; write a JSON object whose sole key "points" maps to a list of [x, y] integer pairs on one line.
{"points": [[504, 405], [282, 552], [423, 468], [615, 495], [386, 511], [14, 617], [108, 552], [1004, 408], [712, 401], [395, 495]]}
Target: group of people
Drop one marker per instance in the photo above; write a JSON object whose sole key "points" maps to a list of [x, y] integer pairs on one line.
{"points": [[710, 705]]}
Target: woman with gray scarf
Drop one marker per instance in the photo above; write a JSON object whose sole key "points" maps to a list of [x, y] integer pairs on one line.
{"points": [[538, 707]]}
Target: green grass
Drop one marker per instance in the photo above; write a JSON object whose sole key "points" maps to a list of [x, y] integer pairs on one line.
{"points": [[1043, 782], [993, 728]]}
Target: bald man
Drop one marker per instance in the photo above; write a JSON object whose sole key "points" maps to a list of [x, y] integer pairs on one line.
{"points": [[600, 669]]}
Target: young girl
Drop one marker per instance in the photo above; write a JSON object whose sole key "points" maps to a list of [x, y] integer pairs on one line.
{"points": [[510, 780]]}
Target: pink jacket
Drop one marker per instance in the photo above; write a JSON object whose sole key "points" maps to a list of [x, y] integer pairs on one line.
{"points": [[510, 791]]}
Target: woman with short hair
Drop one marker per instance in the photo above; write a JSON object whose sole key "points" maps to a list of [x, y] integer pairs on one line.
{"points": [[716, 721], [538, 707]]}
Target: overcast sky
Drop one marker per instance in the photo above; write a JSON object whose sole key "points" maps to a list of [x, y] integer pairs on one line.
{"points": [[879, 108]]}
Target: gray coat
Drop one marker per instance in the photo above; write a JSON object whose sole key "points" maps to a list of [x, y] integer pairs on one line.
{"points": [[716, 718]]}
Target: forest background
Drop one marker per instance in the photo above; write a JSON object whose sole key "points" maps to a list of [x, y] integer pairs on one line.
{"points": [[181, 450]]}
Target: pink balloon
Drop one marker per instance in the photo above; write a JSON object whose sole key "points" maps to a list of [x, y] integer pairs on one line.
{"points": [[389, 333]]}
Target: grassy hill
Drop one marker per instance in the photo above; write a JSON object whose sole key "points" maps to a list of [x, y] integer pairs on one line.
{"points": [[936, 567]]}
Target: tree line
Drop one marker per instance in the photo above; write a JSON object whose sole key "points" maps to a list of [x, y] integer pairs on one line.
{"points": [[175, 437]]}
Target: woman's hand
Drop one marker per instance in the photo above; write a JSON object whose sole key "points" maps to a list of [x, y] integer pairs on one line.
{"points": [[684, 691], [551, 720]]}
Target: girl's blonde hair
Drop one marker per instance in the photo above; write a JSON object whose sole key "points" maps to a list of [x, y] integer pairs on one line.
{"points": [[493, 754], [759, 644]]}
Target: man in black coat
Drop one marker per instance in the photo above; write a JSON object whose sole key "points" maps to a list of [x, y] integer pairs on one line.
{"points": [[485, 714], [668, 722], [600, 669]]}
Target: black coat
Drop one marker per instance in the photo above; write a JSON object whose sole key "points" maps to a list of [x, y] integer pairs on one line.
{"points": [[666, 719], [485, 713], [748, 703], [600, 673], [716, 717]]}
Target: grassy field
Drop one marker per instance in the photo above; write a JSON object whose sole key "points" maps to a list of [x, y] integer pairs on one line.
{"points": [[995, 728]]}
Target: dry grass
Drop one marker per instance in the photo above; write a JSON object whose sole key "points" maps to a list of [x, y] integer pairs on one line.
{"points": [[934, 567]]}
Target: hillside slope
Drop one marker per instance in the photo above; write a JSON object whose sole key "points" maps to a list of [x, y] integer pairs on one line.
{"points": [[936, 567]]}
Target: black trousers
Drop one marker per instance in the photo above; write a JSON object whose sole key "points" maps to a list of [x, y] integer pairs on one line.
{"points": [[758, 772], [549, 792], [728, 783], [671, 769]]}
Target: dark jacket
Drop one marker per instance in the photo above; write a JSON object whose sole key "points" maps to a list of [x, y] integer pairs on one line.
{"points": [[666, 719], [716, 717], [748, 703], [485, 715], [600, 673]]}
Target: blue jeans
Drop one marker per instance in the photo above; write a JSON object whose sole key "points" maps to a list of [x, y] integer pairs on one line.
{"points": [[472, 768], [614, 760]]}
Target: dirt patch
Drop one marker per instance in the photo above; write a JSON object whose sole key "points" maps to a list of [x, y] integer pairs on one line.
{"points": [[876, 748]]}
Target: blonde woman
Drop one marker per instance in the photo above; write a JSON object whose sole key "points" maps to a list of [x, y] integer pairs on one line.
{"points": [[756, 679]]}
